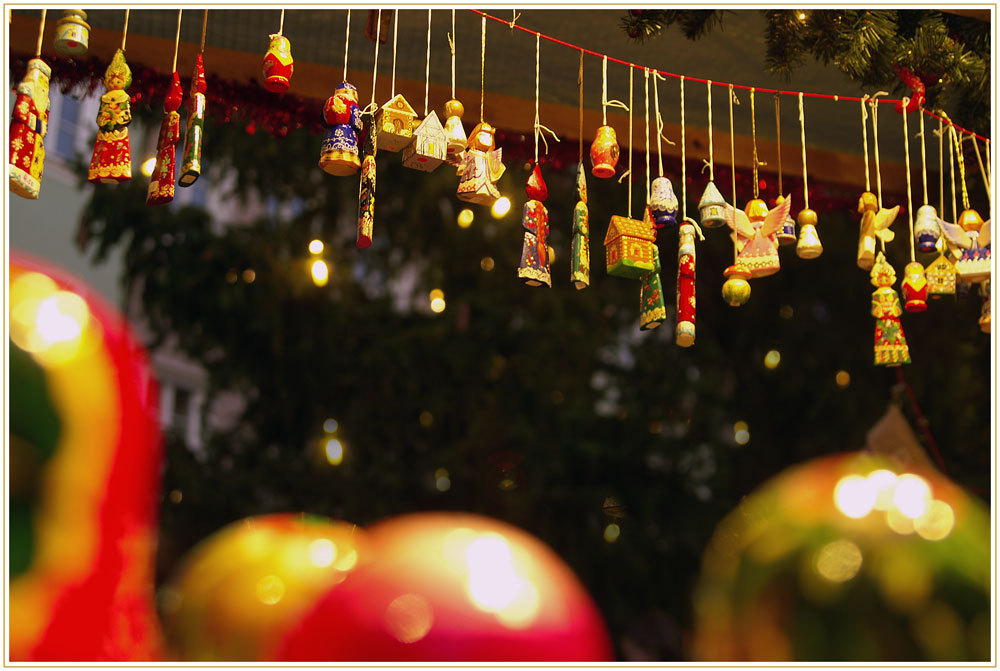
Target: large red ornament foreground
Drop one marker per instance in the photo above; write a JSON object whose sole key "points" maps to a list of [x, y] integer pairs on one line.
{"points": [[453, 587]]}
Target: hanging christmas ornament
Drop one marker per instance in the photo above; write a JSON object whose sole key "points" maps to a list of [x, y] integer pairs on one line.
{"points": [[786, 236], [161, 183], [455, 132], [684, 332], [112, 158], [430, 142], [534, 267], [604, 150], [342, 119], [712, 206], [969, 238], [72, 33], [652, 309], [483, 164], [809, 246], [984, 315], [628, 247], [278, 64], [29, 122], [875, 219], [736, 288], [193, 137], [940, 275], [580, 265], [890, 342], [366, 193], [394, 121], [926, 228], [663, 202], [914, 284]]}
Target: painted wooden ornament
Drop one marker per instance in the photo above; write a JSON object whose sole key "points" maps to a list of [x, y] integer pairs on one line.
{"points": [[366, 193], [890, 342], [663, 202], [278, 64], [786, 236], [684, 332], [342, 117], [72, 33], [940, 274], [455, 133], [29, 123], [809, 246], [875, 223], [112, 158], [969, 241], [429, 147], [161, 183], [914, 286], [712, 207], [736, 288], [652, 309], [756, 233], [482, 167], [628, 247], [534, 267], [191, 168], [604, 152], [394, 123], [926, 229], [580, 265]]}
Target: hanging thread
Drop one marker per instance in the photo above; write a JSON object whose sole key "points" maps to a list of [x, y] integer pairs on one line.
{"points": [[539, 129], [777, 127], [482, 74], [711, 146], [645, 74], [878, 170], [41, 33], [805, 171], [177, 40], [395, 28], [960, 156], [427, 71], [605, 103], [125, 30], [347, 41], [378, 32], [982, 171], [659, 124], [204, 30], [923, 156], [732, 163], [281, 23], [753, 136], [579, 81], [451, 45], [864, 134], [628, 173], [909, 196], [951, 161], [684, 205], [940, 134]]}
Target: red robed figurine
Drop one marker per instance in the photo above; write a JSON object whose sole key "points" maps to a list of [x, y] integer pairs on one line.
{"points": [[534, 268], [161, 185]]}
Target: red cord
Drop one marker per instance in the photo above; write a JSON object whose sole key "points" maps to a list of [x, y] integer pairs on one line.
{"points": [[699, 79], [921, 420]]}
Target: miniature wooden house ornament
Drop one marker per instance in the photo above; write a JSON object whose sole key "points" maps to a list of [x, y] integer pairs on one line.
{"points": [[429, 146], [394, 123], [940, 274], [628, 247]]}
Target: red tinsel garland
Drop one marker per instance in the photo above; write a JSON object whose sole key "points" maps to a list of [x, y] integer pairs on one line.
{"points": [[250, 104]]}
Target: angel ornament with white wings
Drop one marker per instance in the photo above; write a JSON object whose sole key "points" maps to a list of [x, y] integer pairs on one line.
{"points": [[969, 242], [875, 223], [756, 234]]}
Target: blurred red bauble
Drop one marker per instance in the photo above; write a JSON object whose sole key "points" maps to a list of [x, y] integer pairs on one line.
{"points": [[453, 587], [241, 589]]}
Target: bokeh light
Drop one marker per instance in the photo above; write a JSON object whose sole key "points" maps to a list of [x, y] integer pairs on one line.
{"points": [[442, 480], [839, 561], [501, 207], [843, 379], [486, 263], [316, 247], [935, 524], [741, 432], [334, 452], [320, 272], [148, 165], [854, 496], [330, 425], [883, 481], [322, 552], [49, 323], [772, 359], [426, 419], [249, 275], [270, 589], [437, 300], [612, 532], [911, 495]]}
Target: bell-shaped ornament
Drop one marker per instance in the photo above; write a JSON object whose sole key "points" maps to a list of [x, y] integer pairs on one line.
{"points": [[914, 287], [604, 152], [736, 288], [809, 246], [663, 203], [712, 207], [786, 236], [926, 229], [72, 33]]}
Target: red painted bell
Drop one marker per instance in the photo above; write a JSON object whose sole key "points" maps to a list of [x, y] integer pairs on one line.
{"points": [[175, 94], [535, 188]]}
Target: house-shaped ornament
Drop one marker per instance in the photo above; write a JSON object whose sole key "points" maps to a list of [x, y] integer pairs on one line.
{"points": [[394, 123], [628, 247], [940, 274], [427, 151]]}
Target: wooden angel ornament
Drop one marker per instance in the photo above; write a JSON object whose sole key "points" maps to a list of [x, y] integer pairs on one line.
{"points": [[481, 168], [580, 263], [969, 241], [342, 117], [111, 161], [890, 342], [161, 184], [534, 268], [28, 125], [756, 235], [875, 223]]}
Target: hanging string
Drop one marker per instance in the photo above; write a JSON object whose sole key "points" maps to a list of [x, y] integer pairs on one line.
{"points": [[482, 74], [960, 155], [378, 33], [579, 81], [628, 173], [539, 129], [951, 161], [940, 134], [753, 135], [427, 72], [777, 126], [281, 24], [514, 16], [41, 32], [864, 133], [805, 171], [982, 171], [125, 30], [659, 124], [878, 170], [204, 30], [605, 103], [395, 28], [909, 196], [923, 157], [177, 40], [645, 74], [684, 204], [732, 163], [451, 45], [347, 41], [711, 146]]}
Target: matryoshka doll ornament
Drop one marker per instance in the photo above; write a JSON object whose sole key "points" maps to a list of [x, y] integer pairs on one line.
{"points": [[72, 33], [278, 64], [28, 124], [481, 168], [652, 309], [663, 203], [890, 342], [112, 158], [191, 168], [786, 236], [809, 246], [914, 287], [580, 270], [534, 267], [926, 229], [455, 132], [342, 116], [604, 152], [712, 207], [161, 185]]}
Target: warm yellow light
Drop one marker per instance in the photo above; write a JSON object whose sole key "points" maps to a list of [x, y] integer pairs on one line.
{"points": [[320, 272], [741, 432], [839, 561], [786, 312], [322, 552], [249, 275], [802, 16], [148, 165], [334, 452], [45, 321], [61, 317], [772, 359], [426, 419], [316, 247], [612, 532], [501, 207], [436, 293], [331, 425], [884, 484], [442, 480], [347, 562], [270, 590], [465, 218], [176, 496], [843, 378], [409, 617], [492, 582], [912, 495], [854, 496], [899, 522], [937, 522], [486, 263], [437, 300]]}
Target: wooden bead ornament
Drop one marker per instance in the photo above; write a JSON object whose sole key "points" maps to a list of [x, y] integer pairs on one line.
{"points": [[72, 33], [809, 245]]}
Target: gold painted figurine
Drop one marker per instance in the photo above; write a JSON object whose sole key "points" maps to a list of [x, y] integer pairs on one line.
{"points": [[112, 158]]}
